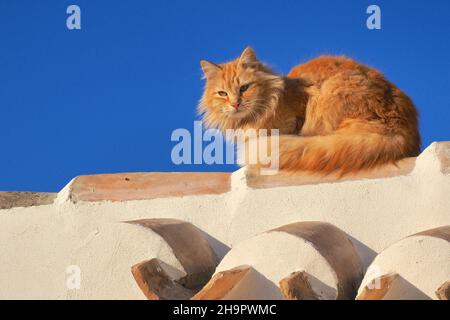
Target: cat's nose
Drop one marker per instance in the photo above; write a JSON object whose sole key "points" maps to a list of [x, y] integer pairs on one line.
{"points": [[236, 105]]}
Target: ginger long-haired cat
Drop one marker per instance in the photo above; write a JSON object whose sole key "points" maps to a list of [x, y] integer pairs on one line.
{"points": [[334, 114]]}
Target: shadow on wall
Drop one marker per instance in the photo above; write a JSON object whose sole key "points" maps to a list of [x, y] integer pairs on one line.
{"points": [[219, 248], [405, 289], [255, 286], [365, 253]]}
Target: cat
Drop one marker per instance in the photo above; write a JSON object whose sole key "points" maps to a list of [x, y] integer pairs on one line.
{"points": [[333, 113]]}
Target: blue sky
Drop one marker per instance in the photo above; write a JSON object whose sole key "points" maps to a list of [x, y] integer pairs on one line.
{"points": [[106, 98]]}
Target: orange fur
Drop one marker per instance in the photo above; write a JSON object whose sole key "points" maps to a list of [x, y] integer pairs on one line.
{"points": [[334, 114]]}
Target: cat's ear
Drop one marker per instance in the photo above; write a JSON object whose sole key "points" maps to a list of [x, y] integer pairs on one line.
{"points": [[209, 69], [248, 58]]}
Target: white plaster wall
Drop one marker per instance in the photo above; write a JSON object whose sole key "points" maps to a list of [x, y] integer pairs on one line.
{"points": [[38, 243]]}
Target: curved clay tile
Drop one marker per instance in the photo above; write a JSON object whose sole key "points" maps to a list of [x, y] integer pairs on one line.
{"points": [[385, 284], [416, 267], [441, 232], [222, 283], [305, 260], [156, 283], [192, 250], [443, 292], [335, 246], [298, 286]]}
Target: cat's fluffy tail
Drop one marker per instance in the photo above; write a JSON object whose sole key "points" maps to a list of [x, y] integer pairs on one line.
{"points": [[345, 151]]}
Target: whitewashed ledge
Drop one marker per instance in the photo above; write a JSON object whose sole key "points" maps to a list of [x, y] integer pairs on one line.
{"points": [[187, 223]]}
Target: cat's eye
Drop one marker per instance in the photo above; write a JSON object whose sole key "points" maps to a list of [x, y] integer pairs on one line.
{"points": [[222, 93], [244, 88]]}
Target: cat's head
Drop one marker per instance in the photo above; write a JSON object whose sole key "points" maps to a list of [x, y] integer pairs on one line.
{"points": [[238, 93]]}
